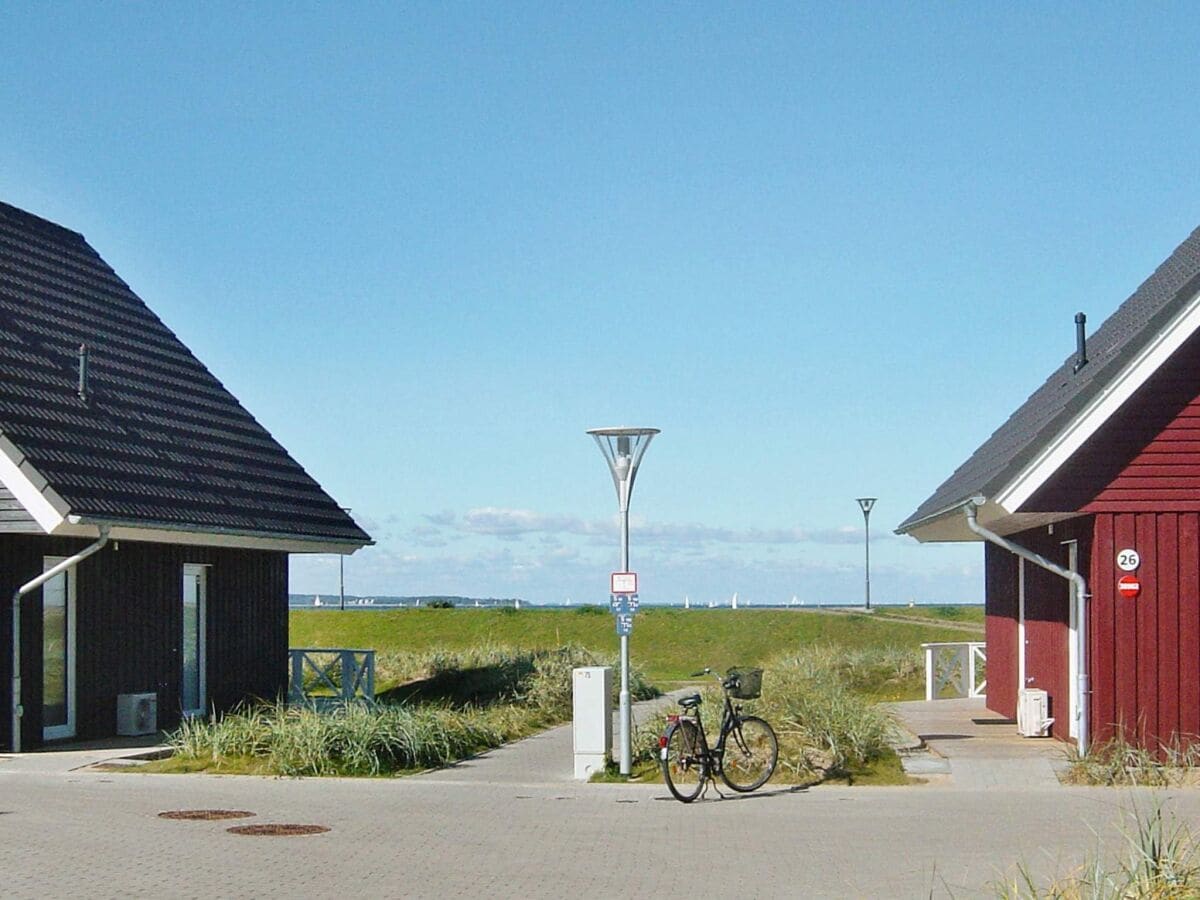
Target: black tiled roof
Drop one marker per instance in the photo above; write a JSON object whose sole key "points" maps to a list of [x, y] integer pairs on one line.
{"points": [[1127, 331], [159, 440]]}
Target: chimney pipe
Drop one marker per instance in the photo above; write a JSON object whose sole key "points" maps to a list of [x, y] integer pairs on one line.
{"points": [[83, 372], [1081, 359]]}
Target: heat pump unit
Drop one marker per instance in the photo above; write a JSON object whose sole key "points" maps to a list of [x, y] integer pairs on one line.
{"points": [[1033, 713], [137, 714]]}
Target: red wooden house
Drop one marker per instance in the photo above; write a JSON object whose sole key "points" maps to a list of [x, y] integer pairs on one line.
{"points": [[1103, 458]]}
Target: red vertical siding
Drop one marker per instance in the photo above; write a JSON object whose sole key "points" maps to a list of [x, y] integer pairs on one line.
{"points": [[1153, 642], [1147, 628], [1102, 631], [1047, 636], [1047, 620], [1124, 649], [1167, 605], [1189, 623], [1000, 608]]}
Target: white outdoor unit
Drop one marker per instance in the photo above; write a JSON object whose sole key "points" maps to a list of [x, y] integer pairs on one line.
{"points": [[592, 708], [1033, 713], [137, 714]]}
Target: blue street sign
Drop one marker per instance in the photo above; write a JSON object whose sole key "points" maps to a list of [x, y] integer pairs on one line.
{"points": [[624, 624]]}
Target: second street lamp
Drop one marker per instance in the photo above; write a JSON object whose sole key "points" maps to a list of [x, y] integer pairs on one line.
{"points": [[865, 504]]}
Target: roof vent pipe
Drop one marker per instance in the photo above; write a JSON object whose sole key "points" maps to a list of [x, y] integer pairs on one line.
{"points": [[1081, 359], [83, 372]]}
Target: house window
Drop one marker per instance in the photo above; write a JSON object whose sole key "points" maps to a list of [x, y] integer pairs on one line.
{"points": [[194, 690], [58, 653]]}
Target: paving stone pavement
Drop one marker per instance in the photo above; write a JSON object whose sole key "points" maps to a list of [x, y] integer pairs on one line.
{"points": [[516, 829]]}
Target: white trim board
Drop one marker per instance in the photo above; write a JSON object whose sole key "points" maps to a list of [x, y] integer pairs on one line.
{"points": [[30, 488]]}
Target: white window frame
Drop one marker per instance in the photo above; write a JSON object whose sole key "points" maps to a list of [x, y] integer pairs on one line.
{"points": [[200, 572]]}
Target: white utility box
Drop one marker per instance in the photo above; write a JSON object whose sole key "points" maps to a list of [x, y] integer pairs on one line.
{"points": [[592, 707], [1033, 713], [137, 714]]}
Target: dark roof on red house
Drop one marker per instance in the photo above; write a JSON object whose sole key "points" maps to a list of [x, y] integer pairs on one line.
{"points": [[158, 441], [1137, 323]]}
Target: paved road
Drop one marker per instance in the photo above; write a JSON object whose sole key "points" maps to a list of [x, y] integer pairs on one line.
{"points": [[513, 824]]}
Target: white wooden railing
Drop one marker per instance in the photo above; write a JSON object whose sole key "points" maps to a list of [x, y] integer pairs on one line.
{"points": [[342, 675], [962, 665]]}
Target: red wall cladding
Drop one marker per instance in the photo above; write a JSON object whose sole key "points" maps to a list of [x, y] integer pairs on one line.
{"points": [[1000, 609], [1145, 652], [1047, 620]]}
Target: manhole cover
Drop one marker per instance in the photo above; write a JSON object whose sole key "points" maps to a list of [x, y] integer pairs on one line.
{"points": [[277, 830], [205, 815]]}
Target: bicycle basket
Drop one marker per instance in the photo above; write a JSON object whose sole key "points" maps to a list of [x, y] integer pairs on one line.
{"points": [[747, 683]]}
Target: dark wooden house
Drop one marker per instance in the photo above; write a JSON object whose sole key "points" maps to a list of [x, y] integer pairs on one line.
{"points": [[1101, 460], [145, 517]]}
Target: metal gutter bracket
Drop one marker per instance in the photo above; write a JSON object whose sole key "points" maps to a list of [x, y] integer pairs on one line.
{"points": [[1082, 689]]}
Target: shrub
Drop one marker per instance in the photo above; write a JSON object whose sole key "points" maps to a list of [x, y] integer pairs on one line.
{"points": [[520, 690], [1118, 761]]}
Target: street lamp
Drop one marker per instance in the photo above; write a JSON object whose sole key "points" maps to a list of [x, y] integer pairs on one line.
{"points": [[623, 449], [865, 503]]}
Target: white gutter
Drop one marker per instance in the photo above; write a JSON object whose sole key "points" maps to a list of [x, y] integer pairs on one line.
{"points": [[70, 562], [1082, 691]]}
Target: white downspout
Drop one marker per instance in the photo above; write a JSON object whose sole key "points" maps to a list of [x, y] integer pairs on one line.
{"points": [[1082, 691], [70, 562]]}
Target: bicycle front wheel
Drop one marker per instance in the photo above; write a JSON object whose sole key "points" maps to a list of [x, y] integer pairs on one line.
{"points": [[751, 752], [683, 765]]}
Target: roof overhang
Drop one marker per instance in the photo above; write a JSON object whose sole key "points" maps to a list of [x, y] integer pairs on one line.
{"points": [[950, 524], [169, 533], [53, 515]]}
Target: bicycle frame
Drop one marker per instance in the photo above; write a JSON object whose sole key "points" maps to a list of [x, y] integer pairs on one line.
{"points": [[714, 757]]}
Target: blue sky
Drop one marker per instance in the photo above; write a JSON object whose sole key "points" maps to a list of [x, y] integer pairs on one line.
{"points": [[827, 249]]}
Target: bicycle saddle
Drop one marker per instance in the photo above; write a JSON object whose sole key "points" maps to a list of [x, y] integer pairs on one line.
{"points": [[690, 702]]}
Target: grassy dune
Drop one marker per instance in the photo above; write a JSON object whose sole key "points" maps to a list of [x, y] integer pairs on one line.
{"points": [[667, 644]]}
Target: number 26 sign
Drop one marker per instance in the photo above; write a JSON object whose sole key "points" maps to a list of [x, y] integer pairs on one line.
{"points": [[1128, 560]]}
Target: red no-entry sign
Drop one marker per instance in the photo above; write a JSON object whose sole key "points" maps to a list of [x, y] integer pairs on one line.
{"points": [[1129, 586]]}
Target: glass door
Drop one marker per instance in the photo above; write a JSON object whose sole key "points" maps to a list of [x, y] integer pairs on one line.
{"points": [[193, 693], [58, 653]]}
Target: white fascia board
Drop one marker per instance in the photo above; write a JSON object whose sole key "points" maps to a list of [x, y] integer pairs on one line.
{"points": [[206, 539], [1102, 407], [26, 483]]}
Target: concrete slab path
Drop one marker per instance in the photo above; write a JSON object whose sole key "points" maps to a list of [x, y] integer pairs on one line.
{"points": [[977, 749]]}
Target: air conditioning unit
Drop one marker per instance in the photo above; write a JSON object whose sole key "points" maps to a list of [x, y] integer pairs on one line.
{"points": [[1033, 713], [137, 714]]}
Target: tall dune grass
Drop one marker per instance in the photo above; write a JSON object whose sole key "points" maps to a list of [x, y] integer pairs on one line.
{"points": [[429, 725]]}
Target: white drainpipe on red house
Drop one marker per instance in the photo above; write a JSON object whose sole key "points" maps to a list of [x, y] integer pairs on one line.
{"points": [[68, 563], [1081, 597]]}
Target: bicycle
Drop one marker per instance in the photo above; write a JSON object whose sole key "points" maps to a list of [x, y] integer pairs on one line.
{"points": [[745, 764]]}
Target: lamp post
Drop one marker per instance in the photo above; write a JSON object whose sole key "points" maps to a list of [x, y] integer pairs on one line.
{"points": [[623, 449], [865, 504]]}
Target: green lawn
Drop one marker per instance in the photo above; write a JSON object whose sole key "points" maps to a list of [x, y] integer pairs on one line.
{"points": [[956, 615], [667, 644]]}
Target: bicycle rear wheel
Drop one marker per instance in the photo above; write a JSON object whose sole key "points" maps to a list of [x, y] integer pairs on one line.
{"points": [[751, 752], [683, 765]]}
